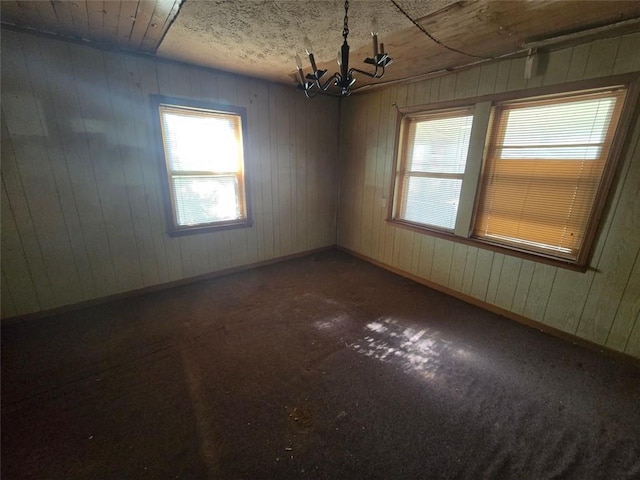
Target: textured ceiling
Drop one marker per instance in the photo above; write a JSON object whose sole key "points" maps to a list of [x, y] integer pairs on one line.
{"points": [[261, 37]]}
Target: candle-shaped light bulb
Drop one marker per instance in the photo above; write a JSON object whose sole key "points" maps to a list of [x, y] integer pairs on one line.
{"points": [[374, 36], [307, 45], [374, 26], [299, 66], [308, 49]]}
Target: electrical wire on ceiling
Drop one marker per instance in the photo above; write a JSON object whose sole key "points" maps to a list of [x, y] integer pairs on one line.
{"points": [[435, 39]]}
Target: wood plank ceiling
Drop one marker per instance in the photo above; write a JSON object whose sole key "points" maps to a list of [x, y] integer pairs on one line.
{"points": [[260, 37], [130, 25]]}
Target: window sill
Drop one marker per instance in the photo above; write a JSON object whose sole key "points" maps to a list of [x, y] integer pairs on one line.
{"points": [[208, 228], [474, 242]]}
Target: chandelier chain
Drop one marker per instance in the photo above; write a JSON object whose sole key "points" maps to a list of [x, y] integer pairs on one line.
{"points": [[345, 28]]}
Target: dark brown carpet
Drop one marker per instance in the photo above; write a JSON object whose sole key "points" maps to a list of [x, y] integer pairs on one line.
{"points": [[324, 367]]}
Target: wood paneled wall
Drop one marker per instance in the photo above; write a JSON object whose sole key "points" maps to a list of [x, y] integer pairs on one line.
{"points": [[83, 215], [601, 305]]}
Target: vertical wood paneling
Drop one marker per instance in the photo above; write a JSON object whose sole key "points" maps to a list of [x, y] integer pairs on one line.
{"points": [[516, 80], [578, 63], [262, 176], [426, 256], [628, 310], [467, 83], [83, 207], [58, 155], [404, 248], [29, 165], [299, 178], [557, 66], [566, 299], [381, 191], [627, 59], [415, 254], [122, 106], [137, 170], [17, 281], [601, 304], [494, 277], [508, 282], [617, 259], [469, 269], [368, 179], [328, 178], [102, 137], [481, 274], [442, 258], [487, 80], [502, 77], [167, 248], [458, 264], [8, 305], [255, 166], [632, 346], [602, 57], [358, 178], [522, 287]]}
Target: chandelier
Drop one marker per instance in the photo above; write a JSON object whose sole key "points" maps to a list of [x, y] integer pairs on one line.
{"points": [[342, 81]]}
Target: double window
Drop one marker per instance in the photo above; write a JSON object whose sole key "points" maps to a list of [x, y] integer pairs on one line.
{"points": [[524, 174], [203, 147]]}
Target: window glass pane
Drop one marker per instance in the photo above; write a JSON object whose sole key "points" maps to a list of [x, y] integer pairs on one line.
{"points": [[206, 199], [431, 201], [535, 132], [439, 145], [197, 142]]}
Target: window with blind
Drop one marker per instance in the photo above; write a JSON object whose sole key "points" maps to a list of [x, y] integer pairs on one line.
{"points": [[544, 166], [522, 174], [432, 167], [204, 163]]}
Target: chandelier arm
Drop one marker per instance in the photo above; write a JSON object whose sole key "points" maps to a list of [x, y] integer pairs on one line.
{"points": [[335, 79], [311, 92], [370, 75], [315, 86], [330, 93], [308, 92]]}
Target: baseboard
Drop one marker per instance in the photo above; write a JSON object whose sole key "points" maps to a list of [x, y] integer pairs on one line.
{"points": [[158, 287], [501, 311]]}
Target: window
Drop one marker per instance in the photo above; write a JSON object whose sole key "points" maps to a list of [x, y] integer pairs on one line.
{"points": [[545, 163], [435, 154], [203, 147], [529, 175]]}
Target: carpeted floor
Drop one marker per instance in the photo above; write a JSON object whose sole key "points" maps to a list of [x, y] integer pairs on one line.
{"points": [[324, 367]]}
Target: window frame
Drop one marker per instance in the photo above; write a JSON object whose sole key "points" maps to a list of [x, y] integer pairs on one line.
{"points": [[403, 172], [175, 229], [478, 148]]}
